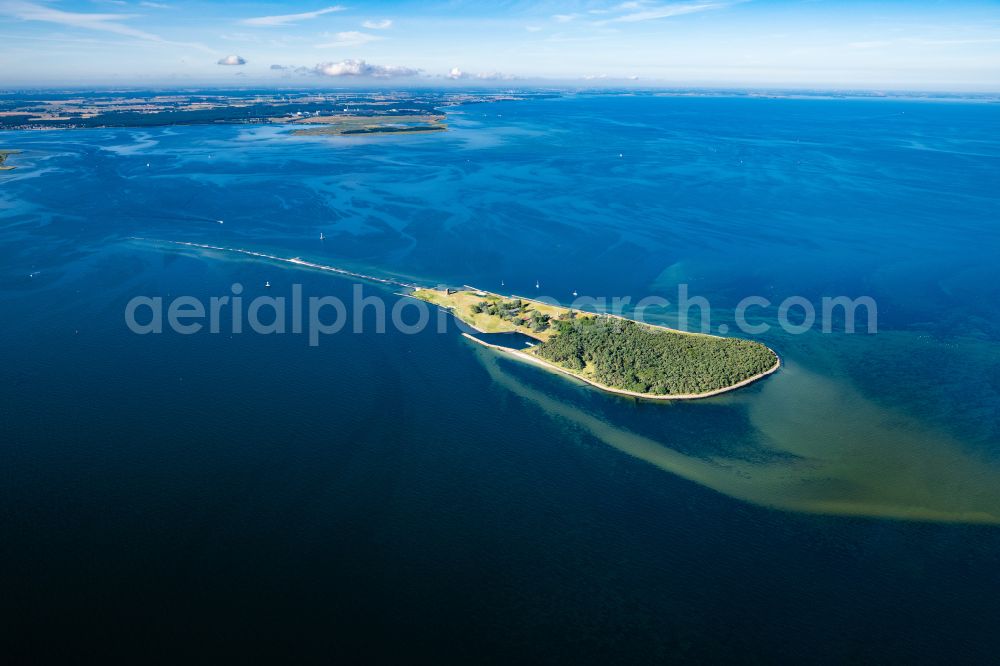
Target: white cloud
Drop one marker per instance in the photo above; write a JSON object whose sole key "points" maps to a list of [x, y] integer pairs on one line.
{"points": [[384, 24], [288, 19], [495, 76], [361, 68], [292, 68], [533, 28], [564, 18], [457, 74], [348, 39], [232, 60], [153, 5], [612, 77]]}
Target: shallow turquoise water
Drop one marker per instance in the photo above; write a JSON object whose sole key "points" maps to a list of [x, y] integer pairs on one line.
{"points": [[390, 485]]}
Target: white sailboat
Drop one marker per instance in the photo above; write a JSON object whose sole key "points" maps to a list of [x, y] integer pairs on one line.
{"points": [[267, 284]]}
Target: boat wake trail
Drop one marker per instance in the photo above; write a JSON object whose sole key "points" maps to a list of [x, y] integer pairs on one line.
{"points": [[295, 261]]}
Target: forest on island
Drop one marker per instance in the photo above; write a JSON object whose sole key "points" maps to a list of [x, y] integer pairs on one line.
{"points": [[625, 355]]}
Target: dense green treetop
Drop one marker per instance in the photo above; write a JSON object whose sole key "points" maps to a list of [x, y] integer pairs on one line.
{"points": [[625, 355]]}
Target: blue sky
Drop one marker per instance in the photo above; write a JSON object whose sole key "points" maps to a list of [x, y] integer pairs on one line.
{"points": [[944, 45]]}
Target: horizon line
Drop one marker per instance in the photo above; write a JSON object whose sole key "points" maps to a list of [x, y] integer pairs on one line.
{"points": [[610, 85]]}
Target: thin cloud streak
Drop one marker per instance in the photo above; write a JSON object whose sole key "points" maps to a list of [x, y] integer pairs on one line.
{"points": [[666, 11], [915, 41], [348, 39], [29, 11], [289, 19]]}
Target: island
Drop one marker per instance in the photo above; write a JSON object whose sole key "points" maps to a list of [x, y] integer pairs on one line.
{"points": [[349, 125], [3, 159], [612, 353]]}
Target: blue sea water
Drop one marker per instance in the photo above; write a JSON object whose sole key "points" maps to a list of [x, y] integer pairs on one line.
{"points": [[386, 494]]}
